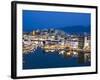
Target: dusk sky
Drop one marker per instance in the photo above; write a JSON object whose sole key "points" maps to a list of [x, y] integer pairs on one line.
{"points": [[33, 20]]}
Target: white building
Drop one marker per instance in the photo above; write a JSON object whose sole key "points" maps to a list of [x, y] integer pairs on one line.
{"points": [[87, 42]]}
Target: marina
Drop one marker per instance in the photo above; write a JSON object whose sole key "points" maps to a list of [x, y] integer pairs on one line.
{"points": [[42, 45], [41, 59]]}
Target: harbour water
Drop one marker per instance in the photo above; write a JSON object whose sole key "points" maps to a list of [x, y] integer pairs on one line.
{"points": [[39, 59]]}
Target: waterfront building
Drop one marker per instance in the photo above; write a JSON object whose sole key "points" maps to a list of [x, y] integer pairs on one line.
{"points": [[81, 42], [33, 33], [87, 42], [74, 44]]}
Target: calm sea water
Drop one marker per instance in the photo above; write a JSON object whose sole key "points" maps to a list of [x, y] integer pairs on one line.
{"points": [[39, 59]]}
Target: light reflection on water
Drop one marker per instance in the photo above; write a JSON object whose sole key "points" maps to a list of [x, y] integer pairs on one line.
{"points": [[40, 59]]}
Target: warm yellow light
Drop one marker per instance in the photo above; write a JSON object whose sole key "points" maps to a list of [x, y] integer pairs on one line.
{"points": [[68, 53], [74, 53], [33, 32]]}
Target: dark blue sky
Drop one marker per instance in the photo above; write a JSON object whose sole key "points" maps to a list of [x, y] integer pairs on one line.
{"points": [[47, 19]]}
